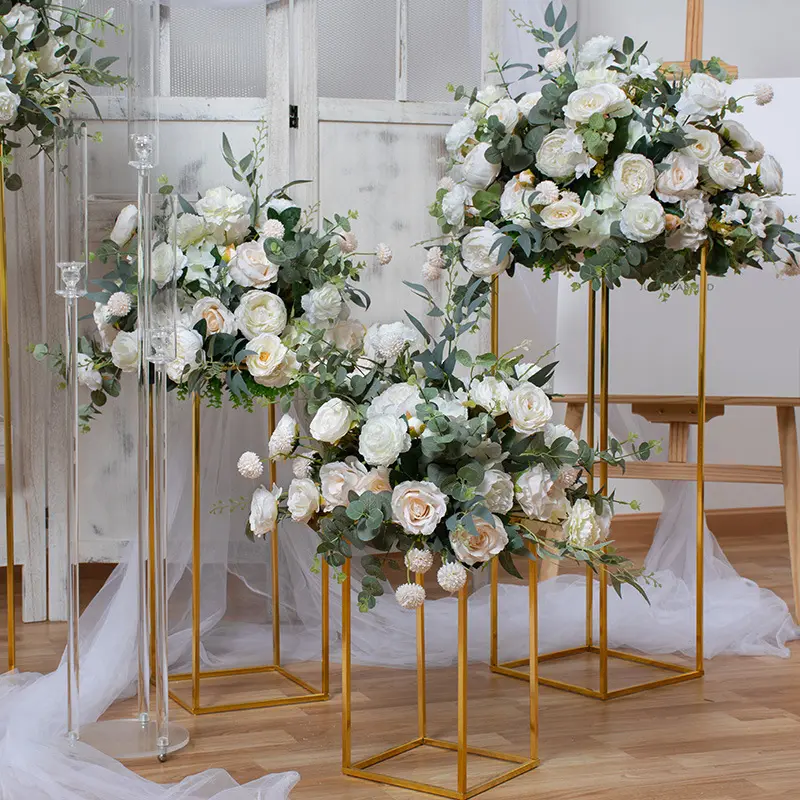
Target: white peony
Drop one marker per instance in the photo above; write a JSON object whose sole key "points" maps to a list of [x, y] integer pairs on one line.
{"points": [[596, 50], [227, 214], [583, 527], [529, 408], [477, 172], [125, 351], [271, 363], [484, 98], [383, 437], [459, 132], [477, 254], [217, 317], [555, 60], [338, 479], [125, 226], [189, 229], [770, 173], [163, 264], [562, 214], [497, 489], [506, 111], [704, 144], [398, 400], [188, 343], [531, 490], [260, 312], [283, 438], [453, 206], [332, 421], [347, 334], [553, 432], [251, 267], [634, 175], [561, 154], [491, 394], [702, 96], [681, 177], [727, 172], [87, 375], [528, 102], [323, 305], [604, 98], [384, 342], [418, 507], [696, 212], [264, 511], [642, 219], [303, 499], [490, 541], [22, 20]]}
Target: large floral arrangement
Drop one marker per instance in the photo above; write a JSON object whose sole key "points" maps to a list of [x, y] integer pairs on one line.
{"points": [[403, 453], [254, 279], [615, 169], [46, 63]]}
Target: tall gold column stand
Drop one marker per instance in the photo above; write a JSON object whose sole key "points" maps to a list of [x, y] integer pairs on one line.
{"points": [[311, 694], [363, 768]]}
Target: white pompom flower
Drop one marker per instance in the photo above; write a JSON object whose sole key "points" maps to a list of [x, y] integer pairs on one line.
{"points": [[452, 576], [764, 94], [410, 595], [273, 229], [281, 443], [419, 561], [119, 304], [435, 257], [302, 463], [430, 272], [383, 253], [250, 466], [347, 242], [555, 60]]}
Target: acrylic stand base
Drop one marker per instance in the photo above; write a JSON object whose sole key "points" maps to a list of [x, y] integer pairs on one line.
{"points": [[126, 739]]}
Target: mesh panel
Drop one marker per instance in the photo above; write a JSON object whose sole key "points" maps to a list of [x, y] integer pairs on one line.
{"points": [[444, 46], [115, 44], [357, 48], [218, 52]]}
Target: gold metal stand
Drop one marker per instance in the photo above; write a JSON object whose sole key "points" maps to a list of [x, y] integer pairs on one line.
{"points": [[196, 675], [682, 673], [362, 768]]}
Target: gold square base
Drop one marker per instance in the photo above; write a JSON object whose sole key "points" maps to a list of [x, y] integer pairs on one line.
{"points": [[361, 768]]}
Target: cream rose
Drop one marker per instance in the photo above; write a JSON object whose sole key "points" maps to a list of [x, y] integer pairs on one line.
{"points": [[477, 254], [338, 479], [727, 172], [332, 421], [642, 219], [125, 351], [418, 507], [506, 111], [770, 173], [477, 172], [529, 409], [251, 267], [458, 134], [497, 489], [603, 98], [491, 540], [491, 394], [583, 527], [347, 334], [188, 343], [125, 226], [376, 481], [681, 177], [705, 145], [271, 363], [634, 175], [217, 317], [702, 96], [323, 305], [398, 400], [382, 439], [303, 499], [264, 511], [260, 312], [562, 214], [531, 490]]}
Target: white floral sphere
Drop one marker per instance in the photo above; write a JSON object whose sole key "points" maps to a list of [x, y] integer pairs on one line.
{"points": [[435, 257], [119, 304], [273, 229], [383, 253], [764, 94], [301, 464], [555, 60], [348, 242], [452, 576], [410, 595], [419, 561], [430, 272], [250, 466]]}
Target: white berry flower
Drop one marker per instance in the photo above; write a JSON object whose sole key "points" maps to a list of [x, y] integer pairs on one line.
{"points": [[273, 229], [436, 257], [764, 94], [384, 254], [410, 595], [452, 576], [301, 464], [430, 273], [119, 304], [281, 443], [348, 242], [555, 60], [419, 561], [250, 465]]}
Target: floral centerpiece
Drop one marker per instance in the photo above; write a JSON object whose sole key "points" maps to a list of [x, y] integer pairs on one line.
{"points": [[46, 64], [615, 169], [405, 454], [254, 279]]}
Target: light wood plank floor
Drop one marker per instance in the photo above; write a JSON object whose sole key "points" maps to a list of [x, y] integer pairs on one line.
{"points": [[734, 735]]}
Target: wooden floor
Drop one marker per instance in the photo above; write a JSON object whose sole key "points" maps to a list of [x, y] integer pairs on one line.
{"points": [[735, 735]]}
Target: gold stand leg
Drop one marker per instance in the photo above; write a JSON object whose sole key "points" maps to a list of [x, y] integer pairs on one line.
{"points": [[463, 598], [347, 714], [591, 358], [701, 454], [422, 723]]}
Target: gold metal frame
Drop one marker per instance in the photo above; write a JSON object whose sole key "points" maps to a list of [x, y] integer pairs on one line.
{"points": [[312, 694], [683, 673], [361, 769]]}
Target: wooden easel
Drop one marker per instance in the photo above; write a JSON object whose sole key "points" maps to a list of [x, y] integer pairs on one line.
{"points": [[694, 39]]}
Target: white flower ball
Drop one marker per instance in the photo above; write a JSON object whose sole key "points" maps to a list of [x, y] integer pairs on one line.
{"points": [[431, 273], [281, 443], [419, 561], [383, 253], [410, 595], [348, 243], [302, 464], [119, 304], [546, 192], [555, 60], [249, 465], [452, 576], [764, 94], [272, 229], [382, 439], [435, 257]]}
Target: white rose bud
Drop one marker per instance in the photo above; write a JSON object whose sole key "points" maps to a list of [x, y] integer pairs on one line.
{"points": [[264, 511], [125, 226], [770, 172], [303, 499]]}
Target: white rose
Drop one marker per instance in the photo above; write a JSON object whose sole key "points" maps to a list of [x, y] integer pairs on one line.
{"points": [[260, 312], [382, 439], [556, 156], [727, 172], [596, 50], [9, 103], [497, 489], [705, 145], [642, 219], [634, 175], [227, 214], [696, 213], [251, 267], [398, 400], [562, 214], [484, 98], [347, 334], [218, 318], [338, 479], [107, 332], [553, 432], [332, 421], [264, 511], [514, 202], [125, 226], [453, 206], [125, 351], [702, 96], [583, 527], [323, 305], [477, 254], [22, 20], [491, 540], [271, 362], [452, 405], [459, 133], [506, 111], [303, 499], [23, 63], [88, 376], [685, 238], [163, 264], [478, 173], [188, 344], [491, 394], [604, 98], [770, 173], [528, 102], [529, 409], [680, 178], [375, 481], [189, 230], [531, 491], [418, 507], [596, 74], [47, 60]]}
